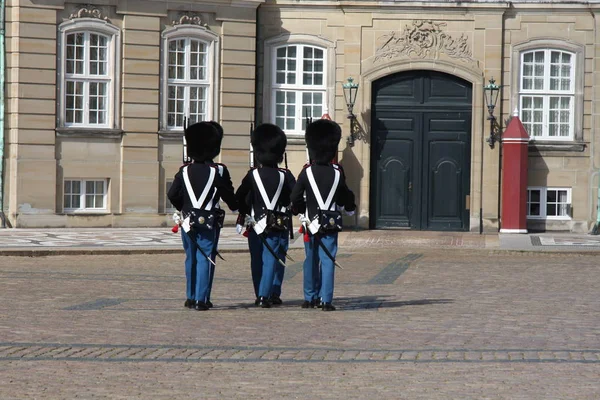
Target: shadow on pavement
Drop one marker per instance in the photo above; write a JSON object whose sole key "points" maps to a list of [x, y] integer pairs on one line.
{"points": [[352, 303]]}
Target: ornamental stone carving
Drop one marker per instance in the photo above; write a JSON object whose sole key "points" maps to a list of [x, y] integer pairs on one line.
{"points": [[88, 11], [190, 19], [423, 39]]}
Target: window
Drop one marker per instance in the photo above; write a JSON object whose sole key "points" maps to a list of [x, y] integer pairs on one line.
{"points": [[190, 76], [548, 203], [85, 195], [87, 74], [298, 86], [547, 94]]}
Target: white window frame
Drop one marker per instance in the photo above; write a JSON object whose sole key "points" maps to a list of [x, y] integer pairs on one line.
{"points": [[270, 86], [544, 202], [82, 196], [87, 26], [301, 113], [211, 40], [545, 93], [576, 91]]}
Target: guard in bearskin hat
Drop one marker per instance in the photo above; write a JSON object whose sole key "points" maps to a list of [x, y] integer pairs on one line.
{"points": [[264, 198], [319, 197], [195, 192]]}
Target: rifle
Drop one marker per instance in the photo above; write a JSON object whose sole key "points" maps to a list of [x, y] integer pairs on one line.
{"points": [[308, 122], [186, 123]]}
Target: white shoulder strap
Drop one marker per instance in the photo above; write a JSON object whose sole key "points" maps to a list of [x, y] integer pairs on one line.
{"points": [[263, 193], [197, 203], [315, 188]]}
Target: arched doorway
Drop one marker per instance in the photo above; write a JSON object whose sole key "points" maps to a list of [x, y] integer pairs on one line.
{"points": [[420, 151]]}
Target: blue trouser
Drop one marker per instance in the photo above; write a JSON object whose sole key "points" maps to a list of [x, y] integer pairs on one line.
{"points": [[280, 269], [214, 258], [197, 267], [319, 282], [190, 262], [256, 248], [256, 261]]}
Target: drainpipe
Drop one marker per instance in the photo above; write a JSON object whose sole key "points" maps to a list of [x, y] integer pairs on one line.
{"points": [[2, 57]]}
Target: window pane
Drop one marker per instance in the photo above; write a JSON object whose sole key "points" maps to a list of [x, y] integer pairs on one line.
{"points": [[99, 201], [176, 57], [67, 186], [76, 201], [559, 116], [89, 187], [551, 210], [197, 60], [534, 209], [533, 202], [99, 187], [89, 201], [197, 104], [312, 66], [285, 109], [286, 65], [562, 196]]}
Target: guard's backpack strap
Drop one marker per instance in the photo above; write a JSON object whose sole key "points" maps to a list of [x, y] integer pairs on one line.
{"points": [[273, 220], [328, 204], [328, 219], [197, 203]]}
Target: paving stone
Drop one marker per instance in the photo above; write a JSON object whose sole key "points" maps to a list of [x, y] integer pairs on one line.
{"points": [[460, 323]]}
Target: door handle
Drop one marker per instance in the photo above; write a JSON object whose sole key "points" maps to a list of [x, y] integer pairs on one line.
{"points": [[410, 186]]}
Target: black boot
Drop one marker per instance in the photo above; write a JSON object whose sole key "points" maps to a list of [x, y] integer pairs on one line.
{"points": [[209, 304], [189, 303], [276, 300], [308, 304], [201, 306], [263, 302], [328, 307]]}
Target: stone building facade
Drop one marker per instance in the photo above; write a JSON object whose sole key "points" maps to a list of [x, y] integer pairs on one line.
{"points": [[418, 155]]}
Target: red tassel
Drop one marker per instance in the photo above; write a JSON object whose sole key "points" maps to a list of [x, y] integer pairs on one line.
{"points": [[306, 238], [246, 233], [175, 229]]}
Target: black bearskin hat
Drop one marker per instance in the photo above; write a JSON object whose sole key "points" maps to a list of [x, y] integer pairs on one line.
{"points": [[322, 139], [203, 141], [268, 142]]}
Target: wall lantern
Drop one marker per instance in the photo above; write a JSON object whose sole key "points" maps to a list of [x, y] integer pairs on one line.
{"points": [[492, 93], [350, 92]]}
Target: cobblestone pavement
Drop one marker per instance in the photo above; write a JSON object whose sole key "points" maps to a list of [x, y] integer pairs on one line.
{"points": [[161, 239], [412, 323]]}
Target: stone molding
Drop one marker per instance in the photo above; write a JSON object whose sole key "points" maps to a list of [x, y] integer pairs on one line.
{"points": [[88, 11], [102, 133], [188, 18], [423, 39]]}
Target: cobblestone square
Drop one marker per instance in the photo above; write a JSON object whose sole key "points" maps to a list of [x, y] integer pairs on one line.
{"points": [[413, 322]]}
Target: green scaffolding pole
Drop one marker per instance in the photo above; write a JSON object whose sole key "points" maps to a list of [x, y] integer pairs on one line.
{"points": [[2, 58], [596, 228]]}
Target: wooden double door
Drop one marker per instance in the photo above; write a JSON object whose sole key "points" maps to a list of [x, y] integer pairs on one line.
{"points": [[420, 152]]}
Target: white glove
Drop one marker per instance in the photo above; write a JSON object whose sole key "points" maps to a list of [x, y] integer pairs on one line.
{"points": [[303, 219], [177, 218], [349, 213], [239, 229], [249, 220]]}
